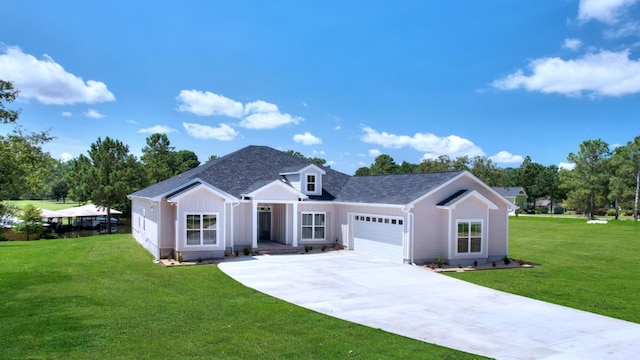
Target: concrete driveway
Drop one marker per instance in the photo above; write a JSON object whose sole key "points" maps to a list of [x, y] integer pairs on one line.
{"points": [[417, 303]]}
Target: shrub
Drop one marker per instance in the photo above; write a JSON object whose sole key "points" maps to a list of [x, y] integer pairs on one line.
{"points": [[440, 261], [611, 212], [247, 250], [506, 260]]}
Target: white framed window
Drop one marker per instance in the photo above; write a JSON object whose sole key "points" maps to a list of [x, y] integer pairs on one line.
{"points": [[311, 183], [313, 226], [201, 229], [469, 236]]}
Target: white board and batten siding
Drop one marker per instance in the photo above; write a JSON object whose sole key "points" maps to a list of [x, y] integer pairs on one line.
{"points": [[144, 225]]}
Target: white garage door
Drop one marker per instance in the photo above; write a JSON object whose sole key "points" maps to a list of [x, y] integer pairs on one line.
{"points": [[378, 236]]}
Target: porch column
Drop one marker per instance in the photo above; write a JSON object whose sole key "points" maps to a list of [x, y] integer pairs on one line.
{"points": [[295, 224], [254, 223]]}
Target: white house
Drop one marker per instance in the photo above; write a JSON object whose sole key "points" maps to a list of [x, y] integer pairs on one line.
{"points": [[259, 195]]}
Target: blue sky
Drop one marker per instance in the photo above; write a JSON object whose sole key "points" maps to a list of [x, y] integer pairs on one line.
{"points": [[341, 80]]}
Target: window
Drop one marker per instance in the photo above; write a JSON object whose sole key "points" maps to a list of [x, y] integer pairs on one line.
{"points": [[202, 229], [313, 226], [469, 237], [311, 183]]}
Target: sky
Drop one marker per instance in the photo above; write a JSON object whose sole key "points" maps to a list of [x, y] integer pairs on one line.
{"points": [[345, 81]]}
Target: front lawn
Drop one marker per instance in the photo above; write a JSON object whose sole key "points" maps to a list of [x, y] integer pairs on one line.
{"points": [[589, 267], [101, 297]]}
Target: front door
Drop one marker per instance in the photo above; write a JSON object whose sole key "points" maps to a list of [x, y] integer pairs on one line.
{"points": [[264, 225]]}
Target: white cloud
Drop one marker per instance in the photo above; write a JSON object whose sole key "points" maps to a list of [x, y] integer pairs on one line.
{"points": [[94, 114], [47, 81], [207, 103], [223, 132], [269, 120], [631, 28], [307, 139], [254, 115], [129, 121], [607, 11], [566, 166], [601, 74], [260, 106], [572, 44], [65, 156], [433, 146], [374, 152], [66, 113], [506, 157], [157, 129], [337, 127]]}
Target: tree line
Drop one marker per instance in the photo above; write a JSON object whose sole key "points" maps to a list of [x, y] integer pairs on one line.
{"points": [[602, 177]]}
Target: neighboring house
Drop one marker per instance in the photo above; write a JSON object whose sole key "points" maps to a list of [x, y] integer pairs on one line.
{"points": [[259, 195], [546, 206], [514, 194]]}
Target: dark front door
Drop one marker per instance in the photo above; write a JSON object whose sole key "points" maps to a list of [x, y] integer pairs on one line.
{"points": [[264, 225]]}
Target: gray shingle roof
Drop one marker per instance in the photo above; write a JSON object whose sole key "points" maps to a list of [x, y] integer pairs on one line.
{"points": [[509, 191], [250, 168], [244, 171], [397, 189]]}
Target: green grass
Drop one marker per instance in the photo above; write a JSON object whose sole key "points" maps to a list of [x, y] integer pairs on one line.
{"points": [[43, 204], [595, 268], [102, 297]]}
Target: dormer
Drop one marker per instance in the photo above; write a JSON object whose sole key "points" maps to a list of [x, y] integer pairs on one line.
{"points": [[307, 180]]}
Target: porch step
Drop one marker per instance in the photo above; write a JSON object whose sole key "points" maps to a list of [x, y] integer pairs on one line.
{"points": [[278, 250]]}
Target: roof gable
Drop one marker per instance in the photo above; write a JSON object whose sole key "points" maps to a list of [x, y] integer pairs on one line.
{"points": [[462, 195], [280, 187]]}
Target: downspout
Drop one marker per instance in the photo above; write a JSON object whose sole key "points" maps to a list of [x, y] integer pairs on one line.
{"points": [[409, 214], [233, 226]]}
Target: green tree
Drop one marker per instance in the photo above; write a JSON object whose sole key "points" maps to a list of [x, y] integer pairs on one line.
{"points": [[111, 174], [57, 181], [384, 164], [30, 221], [79, 186], [23, 163], [407, 168], [624, 181], [441, 163], [484, 169], [212, 157], [185, 160], [158, 158], [8, 95], [315, 160], [363, 171], [589, 178]]}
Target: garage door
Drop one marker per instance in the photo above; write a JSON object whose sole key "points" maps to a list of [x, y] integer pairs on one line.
{"points": [[378, 236]]}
